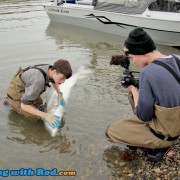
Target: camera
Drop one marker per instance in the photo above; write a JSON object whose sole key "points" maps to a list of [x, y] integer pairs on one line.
{"points": [[127, 78]]}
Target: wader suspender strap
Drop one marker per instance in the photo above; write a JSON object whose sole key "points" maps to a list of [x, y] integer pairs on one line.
{"points": [[35, 67], [44, 74], [178, 79], [168, 68], [177, 61]]}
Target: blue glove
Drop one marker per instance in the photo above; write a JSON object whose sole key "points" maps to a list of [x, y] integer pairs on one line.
{"points": [[61, 99], [53, 120]]}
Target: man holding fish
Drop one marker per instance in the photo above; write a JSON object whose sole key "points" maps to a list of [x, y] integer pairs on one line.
{"points": [[24, 90]]}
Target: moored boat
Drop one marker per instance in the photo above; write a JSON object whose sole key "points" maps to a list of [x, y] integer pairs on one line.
{"points": [[160, 18]]}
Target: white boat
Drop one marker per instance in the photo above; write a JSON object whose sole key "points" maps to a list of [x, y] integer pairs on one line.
{"points": [[160, 18]]}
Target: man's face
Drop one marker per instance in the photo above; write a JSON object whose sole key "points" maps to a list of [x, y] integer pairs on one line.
{"points": [[58, 78], [139, 60]]}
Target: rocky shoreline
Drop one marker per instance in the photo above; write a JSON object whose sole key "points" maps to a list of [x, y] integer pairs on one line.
{"points": [[168, 168], [134, 165]]}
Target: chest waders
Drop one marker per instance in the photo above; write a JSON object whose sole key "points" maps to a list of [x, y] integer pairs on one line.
{"points": [[160, 132], [16, 89], [166, 125]]}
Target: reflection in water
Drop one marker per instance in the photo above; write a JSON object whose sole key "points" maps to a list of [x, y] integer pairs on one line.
{"points": [[122, 163], [101, 43], [95, 47], [69, 36], [92, 45], [30, 131], [82, 36]]}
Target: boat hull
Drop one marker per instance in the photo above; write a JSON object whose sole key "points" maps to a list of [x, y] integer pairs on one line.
{"points": [[162, 32]]}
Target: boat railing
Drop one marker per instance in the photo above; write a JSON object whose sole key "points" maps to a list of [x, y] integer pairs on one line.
{"points": [[84, 2]]}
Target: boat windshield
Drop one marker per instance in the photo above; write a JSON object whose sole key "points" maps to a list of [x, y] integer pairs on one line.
{"points": [[165, 6]]}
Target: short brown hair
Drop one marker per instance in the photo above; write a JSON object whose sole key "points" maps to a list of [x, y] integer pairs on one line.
{"points": [[64, 67]]}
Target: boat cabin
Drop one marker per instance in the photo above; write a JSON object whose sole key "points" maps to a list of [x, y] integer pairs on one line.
{"points": [[129, 6], [138, 6]]}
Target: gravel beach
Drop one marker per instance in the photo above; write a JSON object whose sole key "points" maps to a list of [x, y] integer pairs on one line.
{"points": [[132, 165], [168, 168]]}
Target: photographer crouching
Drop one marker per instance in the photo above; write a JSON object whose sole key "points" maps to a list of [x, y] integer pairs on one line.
{"points": [[155, 101]]}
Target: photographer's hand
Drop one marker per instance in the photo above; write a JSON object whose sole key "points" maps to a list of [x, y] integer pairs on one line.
{"points": [[135, 94]]}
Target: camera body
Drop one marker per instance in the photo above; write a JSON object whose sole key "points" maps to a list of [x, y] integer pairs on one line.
{"points": [[127, 78]]}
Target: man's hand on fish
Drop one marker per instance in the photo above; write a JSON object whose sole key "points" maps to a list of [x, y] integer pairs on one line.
{"points": [[61, 99], [52, 120]]}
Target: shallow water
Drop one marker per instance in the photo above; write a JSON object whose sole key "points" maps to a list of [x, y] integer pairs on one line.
{"points": [[27, 37]]}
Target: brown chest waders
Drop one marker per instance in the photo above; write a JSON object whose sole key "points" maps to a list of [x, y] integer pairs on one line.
{"points": [[15, 91]]}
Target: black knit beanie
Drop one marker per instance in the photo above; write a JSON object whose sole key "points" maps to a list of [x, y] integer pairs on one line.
{"points": [[139, 42]]}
